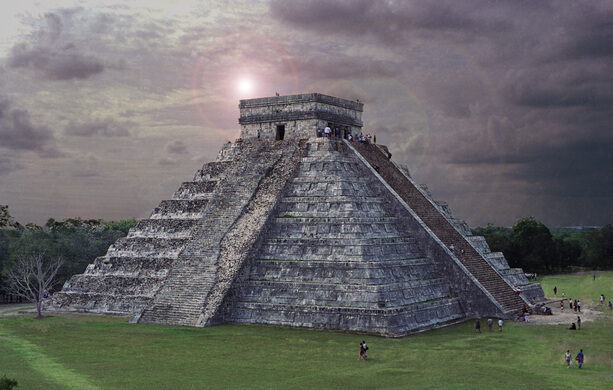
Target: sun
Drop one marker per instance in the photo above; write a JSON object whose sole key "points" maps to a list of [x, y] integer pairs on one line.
{"points": [[245, 85]]}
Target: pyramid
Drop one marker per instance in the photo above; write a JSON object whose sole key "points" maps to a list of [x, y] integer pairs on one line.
{"points": [[290, 228]]}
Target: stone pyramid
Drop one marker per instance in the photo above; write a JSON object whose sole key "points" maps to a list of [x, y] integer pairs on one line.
{"points": [[307, 231]]}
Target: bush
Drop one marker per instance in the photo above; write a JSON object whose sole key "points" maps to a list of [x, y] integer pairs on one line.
{"points": [[6, 383]]}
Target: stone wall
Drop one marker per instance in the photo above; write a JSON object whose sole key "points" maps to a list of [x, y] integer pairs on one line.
{"points": [[302, 115]]}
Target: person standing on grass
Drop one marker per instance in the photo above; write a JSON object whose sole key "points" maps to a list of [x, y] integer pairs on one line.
{"points": [[578, 323], [579, 358], [478, 326], [567, 357], [362, 353], [602, 299], [555, 290], [490, 322], [579, 306], [500, 325]]}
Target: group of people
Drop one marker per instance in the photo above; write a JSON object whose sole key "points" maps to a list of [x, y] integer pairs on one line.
{"points": [[579, 358], [362, 138], [328, 132], [490, 323]]}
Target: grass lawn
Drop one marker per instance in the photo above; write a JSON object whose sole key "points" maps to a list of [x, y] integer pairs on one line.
{"points": [[91, 352], [580, 285]]}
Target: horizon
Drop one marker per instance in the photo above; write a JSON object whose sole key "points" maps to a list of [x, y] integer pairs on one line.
{"points": [[503, 110]]}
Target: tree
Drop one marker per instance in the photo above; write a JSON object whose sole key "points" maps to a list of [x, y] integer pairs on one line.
{"points": [[599, 251], [7, 383], [533, 245], [32, 275]]}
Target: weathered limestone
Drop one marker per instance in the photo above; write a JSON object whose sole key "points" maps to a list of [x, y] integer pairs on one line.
{"points": [[305, 231], [300, 116]]}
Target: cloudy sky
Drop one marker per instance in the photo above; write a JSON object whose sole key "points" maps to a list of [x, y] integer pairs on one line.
{"points": [[503, 108]]}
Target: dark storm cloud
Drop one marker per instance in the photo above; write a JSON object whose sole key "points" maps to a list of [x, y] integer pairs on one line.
{"points": [[107, 127], [390, 22], [52, 52], [17, 132], [525, 88]]}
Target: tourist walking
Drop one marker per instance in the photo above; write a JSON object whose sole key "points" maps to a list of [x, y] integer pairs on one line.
{"points": [[363, 349], [567, 357], [579, 358], [500, 325], [602, 299], [490, 322], [478, 326]]}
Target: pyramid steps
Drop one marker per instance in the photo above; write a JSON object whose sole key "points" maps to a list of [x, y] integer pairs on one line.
{"points": [[195, 286], [334, 246], [436, 221], [134, 268]]}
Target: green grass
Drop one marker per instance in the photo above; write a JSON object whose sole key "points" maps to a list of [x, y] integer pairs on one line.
{"points": [[91, 352], [580, 285]]}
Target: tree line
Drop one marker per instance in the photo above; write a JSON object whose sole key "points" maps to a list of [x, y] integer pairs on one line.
{"points": [[531, 245], [77, 242]]}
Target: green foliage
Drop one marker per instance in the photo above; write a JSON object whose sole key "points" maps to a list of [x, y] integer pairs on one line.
{"points": [[6, 383], [77, 241], [532, 246], [599, 250], [74, 352]]}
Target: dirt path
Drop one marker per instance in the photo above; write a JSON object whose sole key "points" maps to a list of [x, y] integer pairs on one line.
{"points": [[566, 316]]}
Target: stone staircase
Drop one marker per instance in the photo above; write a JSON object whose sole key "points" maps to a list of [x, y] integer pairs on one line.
{"points": [[335, 257], [237, 210], [433, 216], [134, 268]]}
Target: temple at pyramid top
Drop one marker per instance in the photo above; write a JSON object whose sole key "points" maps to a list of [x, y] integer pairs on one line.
{"points": [[289, 227], [299, 116]]}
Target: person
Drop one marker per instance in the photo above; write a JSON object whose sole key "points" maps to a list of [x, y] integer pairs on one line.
{"points": [[523, 309], [601, 299], [578, 323], [555, 290], [575, 305], [327, 131], [610, 305], [594, 276], [490, 322], [579, 358], [579, 306], [350, 138], [363, 349], [570, 303], [452, 248], [258, 133], [567, 358], [500, 325], [573, 326], [478, 326], [563, 293], [374, 139], [462, 252], [561, 305]]}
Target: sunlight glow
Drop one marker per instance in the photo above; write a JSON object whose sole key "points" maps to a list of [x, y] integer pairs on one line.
{"points": [[245, 86]]}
